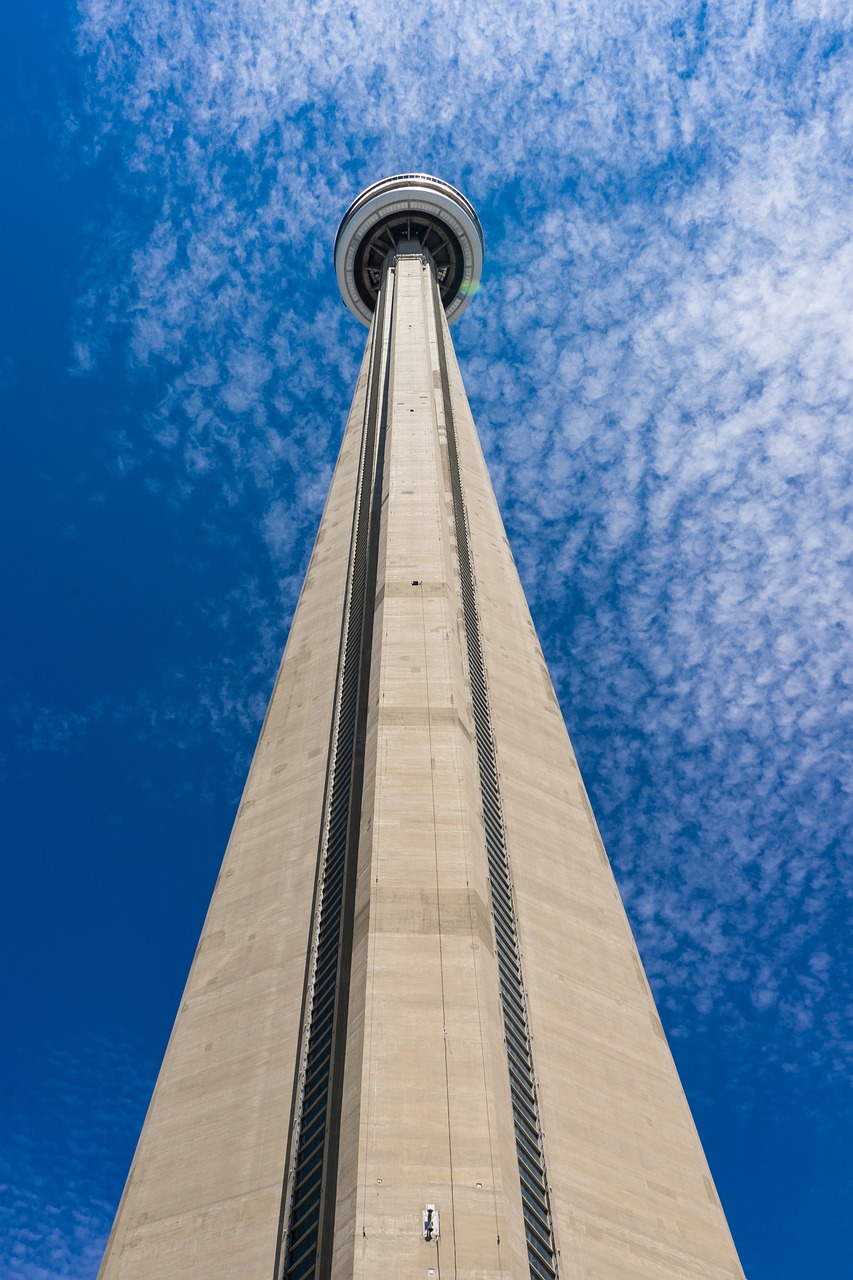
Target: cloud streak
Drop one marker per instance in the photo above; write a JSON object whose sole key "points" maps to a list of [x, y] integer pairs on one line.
{"points": [[59, 1179], [659, 363]]}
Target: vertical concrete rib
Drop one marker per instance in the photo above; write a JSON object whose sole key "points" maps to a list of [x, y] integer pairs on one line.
{"points": [[630, 1191], [204, 1192]]}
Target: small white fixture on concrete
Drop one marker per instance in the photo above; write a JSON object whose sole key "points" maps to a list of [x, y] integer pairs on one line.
{"points": [[430, 1223]]}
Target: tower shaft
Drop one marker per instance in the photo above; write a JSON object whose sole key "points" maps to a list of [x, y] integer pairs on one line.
{"points": [[416, 996]]}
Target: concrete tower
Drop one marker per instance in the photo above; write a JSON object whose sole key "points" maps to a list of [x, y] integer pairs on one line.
{"points": [[416, 1039]]}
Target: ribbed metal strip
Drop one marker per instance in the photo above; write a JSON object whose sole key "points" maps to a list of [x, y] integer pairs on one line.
{"points": [[542, 1257], [308, 1219]]}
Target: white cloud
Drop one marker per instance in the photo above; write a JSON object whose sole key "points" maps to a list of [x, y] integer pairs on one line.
{"points": [[660, 363], [60, 1176]]}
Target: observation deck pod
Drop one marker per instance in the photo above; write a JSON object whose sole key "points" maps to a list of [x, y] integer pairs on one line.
{"points": [[401, 213]]}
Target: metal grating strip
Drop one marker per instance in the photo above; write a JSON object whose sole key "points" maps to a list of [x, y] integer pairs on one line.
{"points": [[542, 1256]]}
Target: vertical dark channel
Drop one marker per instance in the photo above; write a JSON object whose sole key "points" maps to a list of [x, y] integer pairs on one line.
{"points": [[309, 1211], [541, 1253]]}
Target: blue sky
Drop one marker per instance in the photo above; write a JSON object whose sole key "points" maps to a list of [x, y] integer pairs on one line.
{"points": [[660, 361]]}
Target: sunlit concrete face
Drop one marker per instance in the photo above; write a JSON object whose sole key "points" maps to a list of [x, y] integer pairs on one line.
{"points": [[416, 1002]]}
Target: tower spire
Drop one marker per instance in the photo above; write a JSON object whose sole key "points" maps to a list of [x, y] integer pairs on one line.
{"points": [[416, 1037]]}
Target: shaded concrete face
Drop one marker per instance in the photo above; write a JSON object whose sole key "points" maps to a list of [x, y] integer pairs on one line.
{"points": [[423, 1109]]}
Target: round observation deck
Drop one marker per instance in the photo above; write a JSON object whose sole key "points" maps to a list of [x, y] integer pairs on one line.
{"points": [[413, 212]]}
